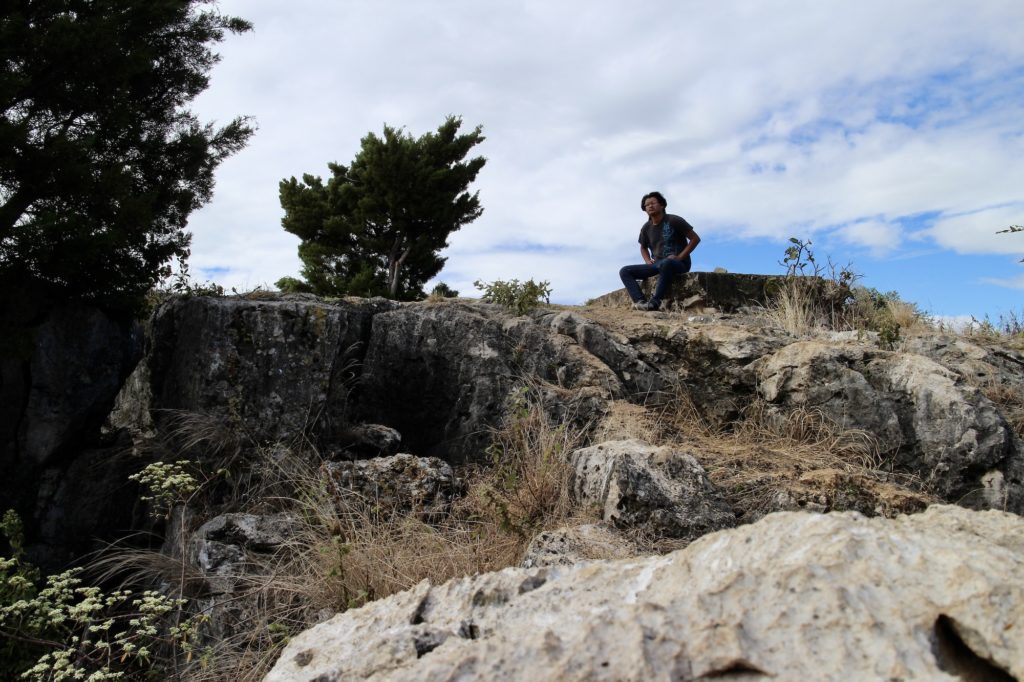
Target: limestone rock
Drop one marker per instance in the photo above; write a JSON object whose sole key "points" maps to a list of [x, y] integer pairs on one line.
{"points": [[225, 550], [455, 365], [659, 491], [61, 367], [795, 596], [721, 290], [280, 368], [370, 440], [937, 426], [567, 546], [401, 482], [73, 364]]}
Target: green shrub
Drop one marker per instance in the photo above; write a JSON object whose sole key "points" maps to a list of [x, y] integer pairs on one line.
{"points": [[442, 290], [65, 630], [515, 295]]}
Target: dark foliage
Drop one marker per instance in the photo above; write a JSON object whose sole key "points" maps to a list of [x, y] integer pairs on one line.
{"points": [[376, 227], [100, 162]]}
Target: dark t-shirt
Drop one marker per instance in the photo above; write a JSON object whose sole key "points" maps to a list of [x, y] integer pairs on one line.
{"points": [[652, 236]]}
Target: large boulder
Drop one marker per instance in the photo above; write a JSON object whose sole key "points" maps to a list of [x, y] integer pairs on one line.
{"points": [[277, 369], [795, 596], [724, 291], [455, 366], [60, 383], [932, 422], [658, 491], [402, 483], [61, 367]]}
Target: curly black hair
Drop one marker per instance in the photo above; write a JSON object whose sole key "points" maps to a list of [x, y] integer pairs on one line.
{"points": [[656, 195]]}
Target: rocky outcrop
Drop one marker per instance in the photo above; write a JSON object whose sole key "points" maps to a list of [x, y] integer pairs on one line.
{"points": [[659, 492], [281, 368], [573, 544], [402, 483], [442, 375], [61, 368], [276, 368], [455, 365], [937, 595], [60, 382], [939, 427]]}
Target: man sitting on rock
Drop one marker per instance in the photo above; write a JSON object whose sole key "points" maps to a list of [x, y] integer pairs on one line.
{"points": [[666, 242]]}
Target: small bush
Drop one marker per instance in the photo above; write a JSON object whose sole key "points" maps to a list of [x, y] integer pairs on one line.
{"points": [[67, 630], [442, 290], [515, 295]]}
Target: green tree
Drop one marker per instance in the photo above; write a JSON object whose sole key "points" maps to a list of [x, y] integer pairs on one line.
{"points": [[376, 226], [101, 162]]}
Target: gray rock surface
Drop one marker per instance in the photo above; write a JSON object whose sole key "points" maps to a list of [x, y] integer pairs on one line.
{"points": [[455, 365], [698, 290], [659, 491], [225, 551], [795, 596], [61, 368], [571, 545], [278, 368], [370, 440], [400, 482], [938, 426]]}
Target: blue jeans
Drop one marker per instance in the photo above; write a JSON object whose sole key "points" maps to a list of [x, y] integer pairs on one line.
{"points": [[666, 269]]}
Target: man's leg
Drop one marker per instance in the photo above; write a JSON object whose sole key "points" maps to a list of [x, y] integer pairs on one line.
{"points": [[667, 269], [631, 273]]}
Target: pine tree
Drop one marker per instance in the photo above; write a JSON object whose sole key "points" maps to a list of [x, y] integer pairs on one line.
{"points": [[376, 227]]}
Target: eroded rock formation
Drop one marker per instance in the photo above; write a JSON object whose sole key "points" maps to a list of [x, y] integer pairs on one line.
{"points": [[795, 596]]}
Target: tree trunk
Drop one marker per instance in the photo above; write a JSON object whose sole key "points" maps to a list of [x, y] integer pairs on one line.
{"points": [[394, 267]]}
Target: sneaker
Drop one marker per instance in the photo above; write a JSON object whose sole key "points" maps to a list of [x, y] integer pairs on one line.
{"points": [[653, 306], [641, 305]]}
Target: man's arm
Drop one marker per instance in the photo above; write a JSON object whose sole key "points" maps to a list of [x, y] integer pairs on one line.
{"points": [[692, 239], [645, 253]]}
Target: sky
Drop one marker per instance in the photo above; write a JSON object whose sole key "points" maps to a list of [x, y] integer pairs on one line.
{"points": [[888, 133]]}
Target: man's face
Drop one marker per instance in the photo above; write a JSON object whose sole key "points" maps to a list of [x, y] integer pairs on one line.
{"points": [[652, 206]]}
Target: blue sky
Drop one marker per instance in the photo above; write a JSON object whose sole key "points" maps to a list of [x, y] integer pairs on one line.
{"points": [[889, 134]]}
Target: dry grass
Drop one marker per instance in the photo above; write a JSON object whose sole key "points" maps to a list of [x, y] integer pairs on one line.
{"points": [[525, 488], [909, 318], [794, 310], [772, 459], [1010, 401], [206, 436], [350, 550]]}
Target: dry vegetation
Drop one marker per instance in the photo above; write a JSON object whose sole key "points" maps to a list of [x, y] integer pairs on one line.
{"points": [[345, 551], [348, 552]]}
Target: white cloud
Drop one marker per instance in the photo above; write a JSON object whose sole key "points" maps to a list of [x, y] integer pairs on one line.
{"points": [[757, 120], [1010, 282], [977, 231]]}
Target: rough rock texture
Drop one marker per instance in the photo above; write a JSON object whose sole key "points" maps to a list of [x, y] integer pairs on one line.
{"points": [[443, 374], [796, 596], [74, 362], [941, 428], [370, 440], [659, 491], [454, 366], [60, 370], [279, 368], [401, 482], [83, 504], [224, 550], [568, 546]]}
